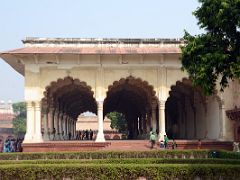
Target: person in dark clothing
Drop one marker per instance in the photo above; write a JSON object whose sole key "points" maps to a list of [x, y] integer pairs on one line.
{"points": [[69, 135], [80, 135], [83, 135], [91, 134], [53, 133], [87, 134], [77, 136]]}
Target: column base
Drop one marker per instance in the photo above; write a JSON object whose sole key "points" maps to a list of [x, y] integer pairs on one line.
{"points": [[37, 138], [61, 137], [161, 136], [46, 137], [57, 137], [100, 138], [65, 137], [28, 138]]}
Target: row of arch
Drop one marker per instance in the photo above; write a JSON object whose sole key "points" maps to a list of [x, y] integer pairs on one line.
{"points": [[75, 97], [186, 114]]}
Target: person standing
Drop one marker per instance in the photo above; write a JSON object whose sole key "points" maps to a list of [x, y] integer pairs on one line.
{"points": [[83, 135], [69, 136], [54, 133], [91, 134], [236, 147], [166, 141], [5, 146], [174, 144], [87, 134], [152, 139], [80, 135], [199, 144]]}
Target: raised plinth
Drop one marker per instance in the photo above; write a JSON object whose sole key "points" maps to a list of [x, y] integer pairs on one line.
{"points": [[204, 144], [56, 146], [122, 145], [128, 145]]}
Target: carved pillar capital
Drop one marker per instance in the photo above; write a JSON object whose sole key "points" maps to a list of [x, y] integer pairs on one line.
{"points": [[161, 104], [100, 105]]}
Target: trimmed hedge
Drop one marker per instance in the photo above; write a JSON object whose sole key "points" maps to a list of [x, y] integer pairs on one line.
{"points": [[125, 161], [121, 154], [108, 154], [118, 171], [228, 155]]}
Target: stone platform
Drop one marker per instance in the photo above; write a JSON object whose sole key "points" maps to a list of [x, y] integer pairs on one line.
{"points": [[56, 146], [181, 144], [122, 145], [204, 144]]}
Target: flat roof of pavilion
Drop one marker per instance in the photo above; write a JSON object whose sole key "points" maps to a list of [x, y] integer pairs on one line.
{"points": [[91, 46], [97, 46]]}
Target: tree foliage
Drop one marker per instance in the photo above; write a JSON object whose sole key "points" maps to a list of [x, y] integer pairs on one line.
{"points": [[118, 121], [19, 122], [214, 56]]}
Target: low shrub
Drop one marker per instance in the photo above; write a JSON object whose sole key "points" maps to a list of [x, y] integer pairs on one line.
{"points": [[228, 155], [185, 154], [124, 161], [106, 155], [118, 171]]}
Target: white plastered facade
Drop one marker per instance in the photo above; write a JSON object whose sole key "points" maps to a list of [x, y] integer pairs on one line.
{"points": [[99, 71]]}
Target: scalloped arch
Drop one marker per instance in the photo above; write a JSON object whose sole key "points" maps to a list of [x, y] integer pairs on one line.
{"points": [[188, 83], [134, 89], [66, 94], [55, 85], [138, 82]]}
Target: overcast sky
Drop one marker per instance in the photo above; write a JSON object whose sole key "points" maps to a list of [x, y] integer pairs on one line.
{"points": [[88, 19]]}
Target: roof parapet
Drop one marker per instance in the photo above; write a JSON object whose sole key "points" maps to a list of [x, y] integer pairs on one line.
{"points": [[103, 42]]}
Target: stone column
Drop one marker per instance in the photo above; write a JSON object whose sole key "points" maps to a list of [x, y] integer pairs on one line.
{"points": [[64, 126], [60, 125], [30, 123], [140, 125], [100, 135], [51, 122], [75, 130], [70, 126], [67, 127], [222, 121], [45, 123], [38, 134], [73, 134], [144, 121], [148, 122], [56, 123], [162, 130], [154, 119]]}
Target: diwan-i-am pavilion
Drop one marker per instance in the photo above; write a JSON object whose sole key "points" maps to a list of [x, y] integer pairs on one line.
{"points": [[141, 78]]}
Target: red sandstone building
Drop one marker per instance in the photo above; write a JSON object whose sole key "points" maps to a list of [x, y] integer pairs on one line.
{"points": [[6, 118]]}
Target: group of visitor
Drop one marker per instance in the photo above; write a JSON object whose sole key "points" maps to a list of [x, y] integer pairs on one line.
{"points": [[84, 135], [12, 145], [80, 135], [163, 143]]}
